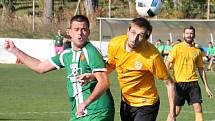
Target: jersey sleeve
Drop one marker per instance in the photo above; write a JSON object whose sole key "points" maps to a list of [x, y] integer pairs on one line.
{"points": [[56, 61], [172, 55], [199, 62], [159, 69], [96, 61], [111, 54]]}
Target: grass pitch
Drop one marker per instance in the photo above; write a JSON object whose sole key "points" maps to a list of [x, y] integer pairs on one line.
{"points": [[27, 96]]}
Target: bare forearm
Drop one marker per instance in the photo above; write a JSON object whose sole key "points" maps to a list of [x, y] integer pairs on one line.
{"points": [[33, 63], [203, 76], [101, 86], [171, 95], [29, 61], [167, 65]]}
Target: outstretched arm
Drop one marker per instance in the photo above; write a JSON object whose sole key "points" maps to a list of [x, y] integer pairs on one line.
{"points": [[205, 81], [33, 63]]}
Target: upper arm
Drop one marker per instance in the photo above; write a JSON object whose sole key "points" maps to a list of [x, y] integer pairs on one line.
{"points": [[110, 68], [167, 63], [111, 64], [199, 62], [172, 55], [45, 66], [96, 61], [101, 76], [159, 68]]}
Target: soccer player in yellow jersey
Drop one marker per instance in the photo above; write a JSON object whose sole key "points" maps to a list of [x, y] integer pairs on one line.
{"points": [[186, 58], [137, 62]]}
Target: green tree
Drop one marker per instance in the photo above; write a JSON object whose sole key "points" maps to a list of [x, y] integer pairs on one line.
{"points": [[189, 8]]}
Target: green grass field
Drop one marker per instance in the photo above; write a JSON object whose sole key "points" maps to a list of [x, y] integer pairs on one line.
{"points": [[27, 96]]}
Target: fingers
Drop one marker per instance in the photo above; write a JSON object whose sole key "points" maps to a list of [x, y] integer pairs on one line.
{"points": [[81, 82], [84, 78], [80, 110], [210, 95], [8, 44]]}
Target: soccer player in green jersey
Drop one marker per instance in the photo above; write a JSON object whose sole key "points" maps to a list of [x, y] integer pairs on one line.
{"points": [[58, 42], [210, 55], [91, 101]]}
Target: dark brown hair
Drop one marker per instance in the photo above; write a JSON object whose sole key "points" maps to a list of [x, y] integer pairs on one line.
{"points": [[80, 18]]}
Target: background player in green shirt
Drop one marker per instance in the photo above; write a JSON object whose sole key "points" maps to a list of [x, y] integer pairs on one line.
{"points": [[210, 55], [58, 42], [159, 46], [166, 48], [89, 102]]}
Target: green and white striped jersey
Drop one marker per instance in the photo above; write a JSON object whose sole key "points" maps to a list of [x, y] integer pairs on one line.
{"points": [[86, 60]]}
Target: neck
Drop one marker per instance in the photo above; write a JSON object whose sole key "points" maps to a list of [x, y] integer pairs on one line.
{"points": [[75, 47], [189, 43], [127, 48]]}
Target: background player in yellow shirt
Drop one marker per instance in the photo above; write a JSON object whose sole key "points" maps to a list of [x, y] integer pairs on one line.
{"points": [[136, 62], [186, 58]]}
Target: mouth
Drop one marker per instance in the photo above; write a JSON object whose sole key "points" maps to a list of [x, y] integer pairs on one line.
{"points": [[79, 38]]}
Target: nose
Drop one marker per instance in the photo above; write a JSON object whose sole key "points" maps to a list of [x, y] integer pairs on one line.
{"points": [[137, 37], [79, 31]]}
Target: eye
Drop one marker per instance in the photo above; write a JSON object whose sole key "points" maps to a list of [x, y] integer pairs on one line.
{"points": [[141, 35], [75, 29], [132, 32], [84, 29]]}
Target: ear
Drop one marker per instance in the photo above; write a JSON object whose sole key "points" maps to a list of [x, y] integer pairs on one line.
{"points": [[147, 35], [129, 28]]}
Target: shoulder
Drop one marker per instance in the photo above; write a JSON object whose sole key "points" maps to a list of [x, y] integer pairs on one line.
{"points": [[66, 52], [198, 50], [90, 46], [116, 41], [91, 49], [149, 50], [178, 46], [150, 47]]}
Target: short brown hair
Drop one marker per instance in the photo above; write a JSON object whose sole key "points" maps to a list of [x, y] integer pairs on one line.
{"points": [[80, 18]]}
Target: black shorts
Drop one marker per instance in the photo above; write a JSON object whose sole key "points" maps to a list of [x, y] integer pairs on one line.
{"points": [[143, 113], [209, 57], [189, 91]]}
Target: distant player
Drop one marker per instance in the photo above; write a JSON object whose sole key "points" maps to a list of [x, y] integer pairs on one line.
{"points": [[166, 49], [210, 55], [186, 58], [58, 42], [92, 101]]}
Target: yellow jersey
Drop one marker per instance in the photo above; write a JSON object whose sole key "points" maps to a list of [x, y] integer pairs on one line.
{"points": [[185, 59], [136, 71]]}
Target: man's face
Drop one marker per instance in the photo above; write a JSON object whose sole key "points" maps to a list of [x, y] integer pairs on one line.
{"points": [[189, 35], [136, 35], [209, 45], [79, 33], [59, 32]]}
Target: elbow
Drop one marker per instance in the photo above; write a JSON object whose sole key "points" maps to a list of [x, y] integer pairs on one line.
{"points": [[107, 85], [39, 71], [169, 82]]}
